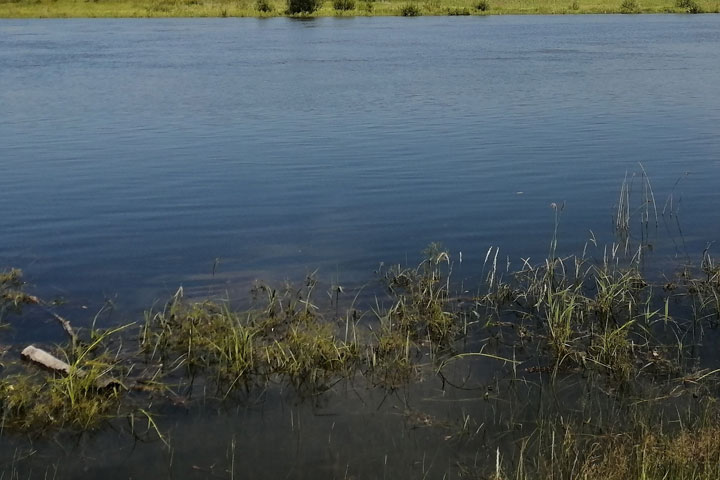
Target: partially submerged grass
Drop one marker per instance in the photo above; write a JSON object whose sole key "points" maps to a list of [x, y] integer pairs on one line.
{"points": [[578, 315], [12, 295], [284, 337], [79, 400], [642, 405], [650, 452], [421, 307]]}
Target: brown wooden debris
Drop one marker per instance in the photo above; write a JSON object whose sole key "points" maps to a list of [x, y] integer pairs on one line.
{"points": [[49, 361], [45, 359], [65, 325]]}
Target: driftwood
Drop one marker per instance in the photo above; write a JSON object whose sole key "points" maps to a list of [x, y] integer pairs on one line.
{"points": [[49, 361], [45, 359], [65, 325]]}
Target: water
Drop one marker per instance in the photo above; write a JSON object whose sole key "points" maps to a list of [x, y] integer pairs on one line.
{"points": [[139, 155], [136, 153]]}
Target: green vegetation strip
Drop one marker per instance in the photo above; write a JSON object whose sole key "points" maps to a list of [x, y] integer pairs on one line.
{"points": [[320, 8]]}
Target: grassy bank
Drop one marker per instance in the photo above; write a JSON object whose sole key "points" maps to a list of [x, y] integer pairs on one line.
{"points": [[329, 8]]}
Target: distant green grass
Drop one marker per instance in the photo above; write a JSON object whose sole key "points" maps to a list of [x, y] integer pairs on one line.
{"points": [[272, 8]]}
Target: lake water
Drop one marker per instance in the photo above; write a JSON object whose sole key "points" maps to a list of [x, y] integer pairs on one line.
{"points": [[139, 155]]}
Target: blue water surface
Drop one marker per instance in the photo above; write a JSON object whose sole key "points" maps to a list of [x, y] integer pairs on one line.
{"points": [[139, 155]]}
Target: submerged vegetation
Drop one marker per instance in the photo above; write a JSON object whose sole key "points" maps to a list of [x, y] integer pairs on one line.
{"points": [[265, 8], [576, 367]]}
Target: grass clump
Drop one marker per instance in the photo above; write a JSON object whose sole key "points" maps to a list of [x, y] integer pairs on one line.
{"points": [[284, 338], [82, 399], [410, 10], [344, 5], [263, 6], [482, 6], [295, 7], [653, 450], [688, 6], [590, 316], [309, 355], [629, 6], [201, 334], [390, 360], [12, 296], [421, 299]]}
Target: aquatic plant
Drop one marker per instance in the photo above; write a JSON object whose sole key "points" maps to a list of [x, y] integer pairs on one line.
{"points": [[421, 299], [81, 397], [12, 296], [283, 337]]}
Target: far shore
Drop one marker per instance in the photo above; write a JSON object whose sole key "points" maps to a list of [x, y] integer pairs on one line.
{"points": [[341, 8]]}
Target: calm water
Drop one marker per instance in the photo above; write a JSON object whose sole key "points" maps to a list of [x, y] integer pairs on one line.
{"points": [[135, 154]]}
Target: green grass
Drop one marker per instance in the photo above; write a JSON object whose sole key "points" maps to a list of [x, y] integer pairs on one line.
{"points": [[33, 400], [269, 8], [284, 337], [12, 294]]}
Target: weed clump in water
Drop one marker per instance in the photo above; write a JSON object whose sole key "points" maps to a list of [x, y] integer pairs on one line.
{"points": [[12, 296], [421, 299], [284, 337], [391, 358], [80, 399]]}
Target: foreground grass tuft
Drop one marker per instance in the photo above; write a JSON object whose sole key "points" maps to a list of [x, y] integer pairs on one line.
{"points": [[82, 399]]}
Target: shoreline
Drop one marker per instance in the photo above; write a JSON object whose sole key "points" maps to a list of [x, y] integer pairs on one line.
{"points": [[341, 8]]}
